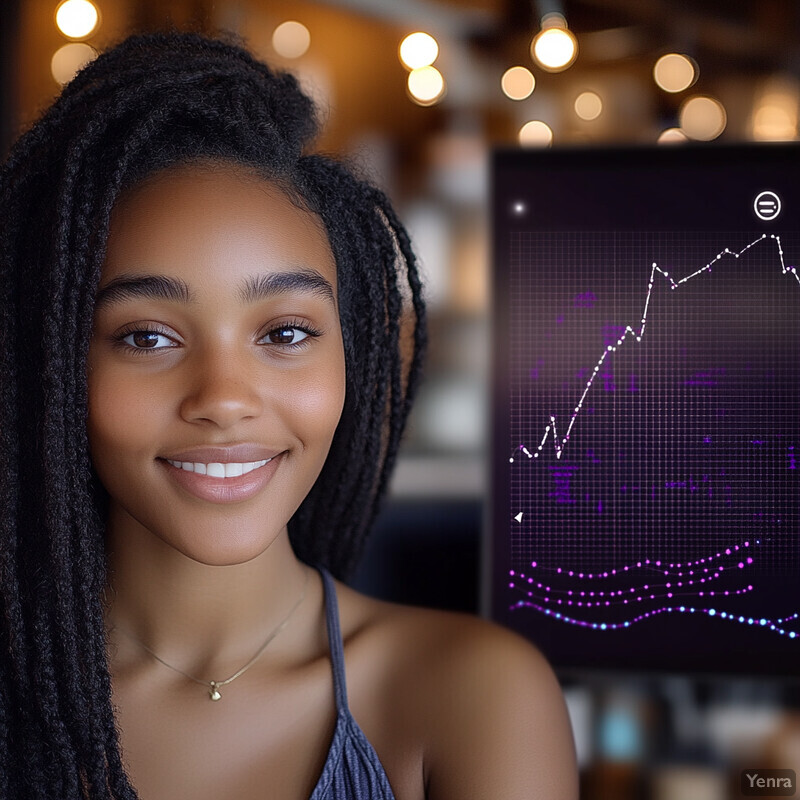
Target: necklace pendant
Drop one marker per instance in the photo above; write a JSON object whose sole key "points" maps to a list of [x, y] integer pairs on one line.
{"points": [[213, 693]]}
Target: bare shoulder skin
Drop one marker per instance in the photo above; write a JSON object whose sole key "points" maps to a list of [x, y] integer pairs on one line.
{"points": [[478, 705]]}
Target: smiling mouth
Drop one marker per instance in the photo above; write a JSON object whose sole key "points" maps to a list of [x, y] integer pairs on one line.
{"points": [[218, 469]]}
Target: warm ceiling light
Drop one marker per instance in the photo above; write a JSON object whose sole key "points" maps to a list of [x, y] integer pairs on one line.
{"points": [[774, 122], [674, 72], [425, 85], [418, 50], [77, 19], [702, 118], [776, 111], [672, 136], [535, 134], [291, 39], [588, 105], [554, 48], [68, 59], [518, 83]]}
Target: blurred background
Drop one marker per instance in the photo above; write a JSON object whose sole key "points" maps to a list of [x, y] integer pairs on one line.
{"points": [[416, 93]]}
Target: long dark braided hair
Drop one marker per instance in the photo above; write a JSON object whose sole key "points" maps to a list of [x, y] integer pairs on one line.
{"points": [[152, 101]]}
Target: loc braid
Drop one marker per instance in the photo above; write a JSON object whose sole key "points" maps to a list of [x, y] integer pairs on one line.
{"points": [[369, 246]]}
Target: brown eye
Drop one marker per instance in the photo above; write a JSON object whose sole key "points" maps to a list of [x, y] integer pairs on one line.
{"points": [[282, 336], [144, 339], [286, 335]]}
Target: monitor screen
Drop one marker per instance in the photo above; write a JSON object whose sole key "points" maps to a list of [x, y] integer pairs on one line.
{"points": [[645, 505]]}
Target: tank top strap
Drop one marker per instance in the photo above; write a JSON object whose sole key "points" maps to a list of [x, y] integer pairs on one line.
{"points": [[335, 640]]}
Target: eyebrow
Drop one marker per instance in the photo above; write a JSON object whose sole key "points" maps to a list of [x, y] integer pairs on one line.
{"points": [[130, 286]]}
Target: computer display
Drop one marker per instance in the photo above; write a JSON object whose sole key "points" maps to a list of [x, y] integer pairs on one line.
{"points": [[645, 509]]}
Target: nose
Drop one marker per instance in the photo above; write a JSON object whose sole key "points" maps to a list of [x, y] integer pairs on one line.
{"points": [[221, 388]]}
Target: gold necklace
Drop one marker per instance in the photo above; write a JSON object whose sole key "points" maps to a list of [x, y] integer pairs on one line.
{"points": [[214, 686]]}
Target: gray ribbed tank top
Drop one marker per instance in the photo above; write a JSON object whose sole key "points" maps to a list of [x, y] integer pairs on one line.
{"points": [[352, 769]]}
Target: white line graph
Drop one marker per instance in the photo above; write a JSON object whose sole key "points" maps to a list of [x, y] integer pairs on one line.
{"points": [[632, 334]]}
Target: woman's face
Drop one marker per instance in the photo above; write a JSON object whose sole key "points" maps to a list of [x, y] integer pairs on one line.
{"points": [[216, 340]]}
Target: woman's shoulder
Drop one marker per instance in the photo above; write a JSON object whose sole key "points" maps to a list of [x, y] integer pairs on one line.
{"points": [[484, 701], [462, 646]]}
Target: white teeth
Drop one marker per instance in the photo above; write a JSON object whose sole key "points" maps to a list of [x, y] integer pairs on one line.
{"points": [[219, 470], [216, 470]]}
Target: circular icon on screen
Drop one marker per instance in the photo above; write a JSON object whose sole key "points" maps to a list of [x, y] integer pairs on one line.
{"points": [[767, 206]]}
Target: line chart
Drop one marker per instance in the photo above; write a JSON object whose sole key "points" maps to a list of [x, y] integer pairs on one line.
{"points": [[632, 334], [645, 484]]}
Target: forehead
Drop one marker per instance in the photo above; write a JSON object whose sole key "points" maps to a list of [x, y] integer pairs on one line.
{"points": [[212, 224]]}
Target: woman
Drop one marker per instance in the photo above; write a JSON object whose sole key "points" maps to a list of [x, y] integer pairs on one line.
{"points": [[211, 340]]}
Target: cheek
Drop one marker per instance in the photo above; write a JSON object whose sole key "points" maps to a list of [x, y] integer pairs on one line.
{"points": [[120, 415], [318, 400]]}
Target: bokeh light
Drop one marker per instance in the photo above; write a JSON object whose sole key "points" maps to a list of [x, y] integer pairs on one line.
{"points": [[702, 118], [426, 85], [77, 19], [588, 105], [518, 83], [291, 39], [68, 59], [675, 72], [418, 50], [535, 134], [775, 112], [554, 48], [672, 136]]}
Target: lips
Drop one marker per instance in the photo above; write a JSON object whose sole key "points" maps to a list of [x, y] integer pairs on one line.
{"points": [[213, 489]]}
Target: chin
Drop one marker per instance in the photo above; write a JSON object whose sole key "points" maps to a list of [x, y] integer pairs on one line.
{"points": [[223, 549]]}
